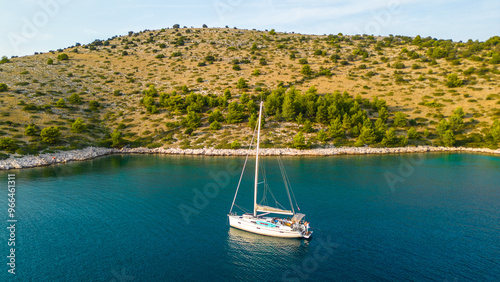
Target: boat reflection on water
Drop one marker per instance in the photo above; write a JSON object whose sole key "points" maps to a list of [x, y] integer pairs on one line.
{"points": [[260, 253]]}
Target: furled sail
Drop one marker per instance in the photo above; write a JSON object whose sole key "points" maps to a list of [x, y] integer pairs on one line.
{"points": [[268, 209]]}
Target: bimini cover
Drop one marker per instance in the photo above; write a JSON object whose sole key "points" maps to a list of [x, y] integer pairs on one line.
{"points": [[298, 217]]}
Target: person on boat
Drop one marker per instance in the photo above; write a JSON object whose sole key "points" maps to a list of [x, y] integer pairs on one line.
{"points": [[306, 224]]}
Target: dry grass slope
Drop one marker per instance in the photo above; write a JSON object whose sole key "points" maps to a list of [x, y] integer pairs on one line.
{"points": [[411, 74]]}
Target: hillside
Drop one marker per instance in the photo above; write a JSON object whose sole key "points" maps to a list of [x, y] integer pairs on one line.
{"points": [[167, 87]]}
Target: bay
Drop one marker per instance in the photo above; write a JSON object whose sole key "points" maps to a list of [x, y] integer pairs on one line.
{"points": [[420, 217]]}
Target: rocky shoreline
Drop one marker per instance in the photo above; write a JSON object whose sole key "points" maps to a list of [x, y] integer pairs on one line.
{"points": [[94, 152]]}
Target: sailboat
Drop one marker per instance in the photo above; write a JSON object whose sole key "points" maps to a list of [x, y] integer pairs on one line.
{"points": [[265, 220]]}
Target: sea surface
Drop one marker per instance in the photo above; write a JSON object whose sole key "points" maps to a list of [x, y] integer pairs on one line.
{"points": [[420, 217]]}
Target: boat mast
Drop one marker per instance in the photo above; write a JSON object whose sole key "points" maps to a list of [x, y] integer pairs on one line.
{"points": [[257, 164]]}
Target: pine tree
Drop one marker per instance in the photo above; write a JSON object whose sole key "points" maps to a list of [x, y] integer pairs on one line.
{"points": [[383, 114], [306, 70], [403, 141], [307, 128], [495, 131], [459, 112], [116, 138], [426, 133], [242, 84], [299, 141], [335, 130], [78, 126], [61, 103], [412, 133], [390, 138], [272, 104], [346, 122], [333, 111], [442, 127], [252, 121], [322, 114], [50, 135], [215, 125], [380, 129], [235, 113], [251, 107], [448, 138], [367, 136], [399, 119], [31, 130], [300, 119], [216, 115], [311, 109], [322, 136], [192, 120], [456, 122], [289, 111]]}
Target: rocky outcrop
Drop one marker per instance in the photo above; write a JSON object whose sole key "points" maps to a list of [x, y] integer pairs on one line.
{"points": [[93, 152]]}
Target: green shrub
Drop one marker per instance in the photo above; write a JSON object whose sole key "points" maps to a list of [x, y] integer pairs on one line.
{"points": [[412, 133], [242, 84], [299, 141], [4, 60], [93, 105], [61, 103], [306, 70], [78, 126], [235, 145], [452, 81], [50, 135], [8, 144], [31, 130], [399, 119], [209, 58], [75, 99], [215, 125], [192, 120], [399, 65], [3, 87], [235, 113], [322, 136], [63, 57], [216, 115], [117, 139]]}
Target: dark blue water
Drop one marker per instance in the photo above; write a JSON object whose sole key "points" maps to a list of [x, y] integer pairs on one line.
{"points": [[433, 217]]}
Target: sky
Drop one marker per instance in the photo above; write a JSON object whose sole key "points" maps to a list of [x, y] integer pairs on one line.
{"points": [[28, 26]]}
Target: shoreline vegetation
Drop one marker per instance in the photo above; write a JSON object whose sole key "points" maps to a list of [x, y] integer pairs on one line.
{"points": [[94, 152]]}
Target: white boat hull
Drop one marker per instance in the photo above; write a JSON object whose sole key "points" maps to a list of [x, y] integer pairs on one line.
{"points": [[263, 226]]}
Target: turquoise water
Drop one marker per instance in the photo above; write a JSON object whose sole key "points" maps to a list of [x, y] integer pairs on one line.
{"points": [[431, 217]]}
